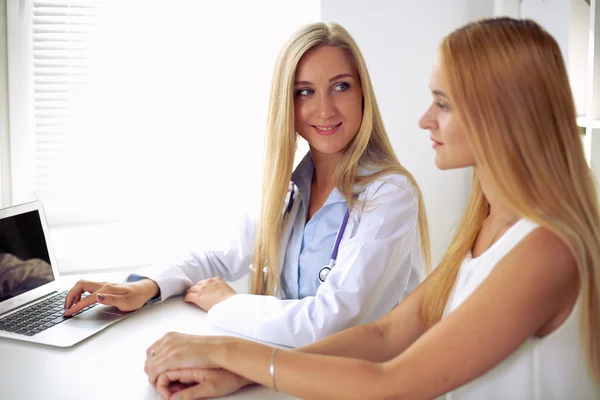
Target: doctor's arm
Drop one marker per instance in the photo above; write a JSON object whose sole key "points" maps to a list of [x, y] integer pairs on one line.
{"points": [[230, 263], [162, 282], [372, 272], [529, 289]]}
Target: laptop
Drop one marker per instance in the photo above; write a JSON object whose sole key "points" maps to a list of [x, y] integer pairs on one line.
{"points": [[31, 295]]}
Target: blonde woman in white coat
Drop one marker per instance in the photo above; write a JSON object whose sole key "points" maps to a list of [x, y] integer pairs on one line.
{"points": [[321, 90]]}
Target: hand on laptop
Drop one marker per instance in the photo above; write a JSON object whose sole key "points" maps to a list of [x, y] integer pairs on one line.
{"points": [[125, 296]]}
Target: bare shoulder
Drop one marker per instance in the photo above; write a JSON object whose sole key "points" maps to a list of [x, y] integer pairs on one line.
{"points": [[545, 250], [544, 266]]}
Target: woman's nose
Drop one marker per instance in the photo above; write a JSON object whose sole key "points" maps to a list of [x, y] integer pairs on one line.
{"points": [[326, 107], [427, 121]]}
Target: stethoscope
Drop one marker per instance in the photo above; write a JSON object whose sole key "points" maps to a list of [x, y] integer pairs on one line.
{"points": [[326, 269]]}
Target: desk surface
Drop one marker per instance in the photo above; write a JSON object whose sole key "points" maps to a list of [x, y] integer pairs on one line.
{"points": [[108, 365]]}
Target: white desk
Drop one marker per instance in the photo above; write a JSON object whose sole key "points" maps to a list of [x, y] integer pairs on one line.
{"points": [[108, 365]]}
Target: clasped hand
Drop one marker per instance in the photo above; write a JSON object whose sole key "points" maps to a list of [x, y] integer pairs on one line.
{"points": [[183, 366]]}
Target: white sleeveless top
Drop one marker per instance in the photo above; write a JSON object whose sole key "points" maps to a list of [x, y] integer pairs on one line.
{"points": [[548, 368]]}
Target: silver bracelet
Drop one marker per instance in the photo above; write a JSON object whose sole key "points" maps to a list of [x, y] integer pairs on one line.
{"points": [[272, 368]]}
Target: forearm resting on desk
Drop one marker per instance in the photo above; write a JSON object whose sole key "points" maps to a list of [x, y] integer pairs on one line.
{"points": [[299, 374], [362, 342]]}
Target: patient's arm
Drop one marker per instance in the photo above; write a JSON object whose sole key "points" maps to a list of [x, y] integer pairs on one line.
{"points": [[364, 342], [380, 340]]}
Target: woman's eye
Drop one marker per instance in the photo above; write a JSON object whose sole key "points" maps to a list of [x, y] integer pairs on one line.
{"points": [[304, 92], [441, 105], [341, 87]]}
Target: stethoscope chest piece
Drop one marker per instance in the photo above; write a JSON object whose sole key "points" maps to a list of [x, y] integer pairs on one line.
{"points": [[324, 273]]}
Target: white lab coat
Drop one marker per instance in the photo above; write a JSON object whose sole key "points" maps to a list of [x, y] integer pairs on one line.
{"points": [[379, 263]]}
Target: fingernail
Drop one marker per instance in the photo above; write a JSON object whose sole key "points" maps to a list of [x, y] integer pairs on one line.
{"points": [[100, 297]]}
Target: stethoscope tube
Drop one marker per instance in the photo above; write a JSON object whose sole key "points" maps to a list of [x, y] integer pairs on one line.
{"points": [[324, 271], [290, 202]]}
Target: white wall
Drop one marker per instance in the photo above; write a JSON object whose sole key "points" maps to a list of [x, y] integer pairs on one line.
{"points": [[399, 41]]}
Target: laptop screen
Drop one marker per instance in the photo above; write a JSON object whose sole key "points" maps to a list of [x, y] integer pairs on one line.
{"points": [[24, 260]]}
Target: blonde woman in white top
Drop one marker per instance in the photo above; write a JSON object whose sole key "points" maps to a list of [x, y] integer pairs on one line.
{"points": [[513, 309]]}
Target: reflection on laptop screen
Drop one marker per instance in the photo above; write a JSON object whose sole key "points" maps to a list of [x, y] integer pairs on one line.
{"points": [[24, 260]]}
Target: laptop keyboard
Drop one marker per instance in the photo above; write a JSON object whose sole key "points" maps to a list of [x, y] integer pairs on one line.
{"points": [[39, 316]]}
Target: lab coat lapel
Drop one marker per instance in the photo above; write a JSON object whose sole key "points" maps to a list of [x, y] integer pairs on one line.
{"points": [[286, 234]]}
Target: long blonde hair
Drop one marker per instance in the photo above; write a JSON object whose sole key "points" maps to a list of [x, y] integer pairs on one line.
{"points": [[509, 85], [370, 145]]}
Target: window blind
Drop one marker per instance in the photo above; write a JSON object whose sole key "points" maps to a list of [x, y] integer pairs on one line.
{"points": [[64, 40]]}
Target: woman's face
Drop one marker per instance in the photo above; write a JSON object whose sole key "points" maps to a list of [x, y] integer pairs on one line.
{"points": [[449, 141], [327, 99]]}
